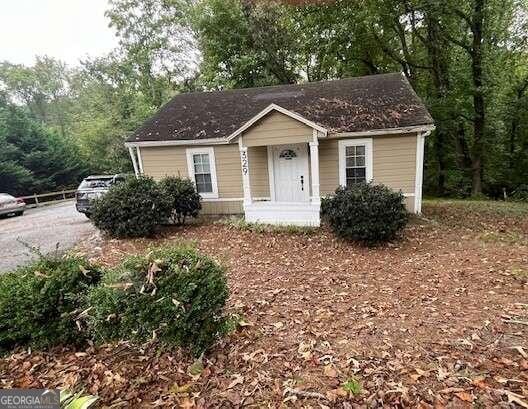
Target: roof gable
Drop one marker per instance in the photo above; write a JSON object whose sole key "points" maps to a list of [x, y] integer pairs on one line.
{"points": [[275, 108]]}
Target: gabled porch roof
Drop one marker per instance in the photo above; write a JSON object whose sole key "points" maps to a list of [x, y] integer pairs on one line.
{"points": [[276, 108]]}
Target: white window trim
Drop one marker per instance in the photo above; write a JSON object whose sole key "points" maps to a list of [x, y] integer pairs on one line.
{"points": [[212, 167], [367, 142]]}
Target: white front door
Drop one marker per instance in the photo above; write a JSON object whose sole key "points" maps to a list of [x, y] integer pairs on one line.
{"points": [[290, 173]]}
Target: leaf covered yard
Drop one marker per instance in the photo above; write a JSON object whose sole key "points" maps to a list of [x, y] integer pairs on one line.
{"points": [[439, 319]]}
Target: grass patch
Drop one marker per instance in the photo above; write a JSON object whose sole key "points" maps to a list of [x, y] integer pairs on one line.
{"points": [[492, 207], [519, 274], [240, 223], [509, 237]]}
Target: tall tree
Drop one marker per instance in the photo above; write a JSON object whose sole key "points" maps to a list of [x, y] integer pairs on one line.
{"points": [[155, 43], [32, 158], [43, 88]]}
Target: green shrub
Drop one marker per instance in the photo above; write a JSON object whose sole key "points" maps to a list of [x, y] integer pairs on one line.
{"points": [[172, 294], [183, 197], [366, 212], [131, 209], [40, 303]]}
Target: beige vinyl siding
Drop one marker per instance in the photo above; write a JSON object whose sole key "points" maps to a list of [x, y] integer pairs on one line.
{"points": [[394, 164], [258, 171], [228, 171], [328, 166], [277, 129], [172, 161], [409, 203], [395, 161], [229, 207], [164, 161]]}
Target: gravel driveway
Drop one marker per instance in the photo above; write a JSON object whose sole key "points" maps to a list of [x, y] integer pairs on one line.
{"points": [[42, 228]]}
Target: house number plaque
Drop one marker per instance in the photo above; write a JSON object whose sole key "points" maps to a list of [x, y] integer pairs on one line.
{"points": [[245, 163]]}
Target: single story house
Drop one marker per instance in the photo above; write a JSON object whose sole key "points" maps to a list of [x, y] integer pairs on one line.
{"points": [[272, 152]]}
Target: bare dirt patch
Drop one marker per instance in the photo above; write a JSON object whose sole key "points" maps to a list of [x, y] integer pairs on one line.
{"points": [[439, 319]]}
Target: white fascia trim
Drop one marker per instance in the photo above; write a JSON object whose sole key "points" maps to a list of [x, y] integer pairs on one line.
{"points": [[212, 167], [275, 107], [367, 142], [134, 162], [387, 131], [208, 141], [140, 160]]}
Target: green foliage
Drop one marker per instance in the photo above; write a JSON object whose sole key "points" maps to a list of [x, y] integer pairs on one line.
{"points": [[352, 386], [33, 159], [477, 92], [246, 45], [366, 212], [106, 109], [184, 199], [131, 209], [172, 294], [521, 194], [40, 303], [479, 106], [155, 44], [232, 323]]}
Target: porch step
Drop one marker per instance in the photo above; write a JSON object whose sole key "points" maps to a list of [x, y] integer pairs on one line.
{"points": [[278, 213]]}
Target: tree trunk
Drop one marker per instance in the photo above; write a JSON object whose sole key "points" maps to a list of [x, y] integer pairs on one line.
{"points": [[436, 46], [479, 121], [462, 149]]}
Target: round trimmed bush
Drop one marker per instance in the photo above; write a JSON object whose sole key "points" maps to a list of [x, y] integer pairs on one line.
{"points": [[183, 197], [41, 303], [132, 208], [172, 294], [366, 213]]}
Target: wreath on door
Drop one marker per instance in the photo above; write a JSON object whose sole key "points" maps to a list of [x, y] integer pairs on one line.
{"points": [[288, 154]]}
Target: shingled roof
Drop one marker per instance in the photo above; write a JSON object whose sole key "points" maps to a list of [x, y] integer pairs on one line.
{"points": [[347, 105]]}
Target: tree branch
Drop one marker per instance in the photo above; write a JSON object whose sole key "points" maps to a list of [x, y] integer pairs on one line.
{"points": [[460, 43], [463, 16], [467, 117], [396, 58]]}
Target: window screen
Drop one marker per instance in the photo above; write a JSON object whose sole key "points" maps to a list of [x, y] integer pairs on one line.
{"points": [[355, 167], [202, 173]]}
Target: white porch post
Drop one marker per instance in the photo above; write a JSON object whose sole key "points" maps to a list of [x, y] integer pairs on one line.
{"points": [[134, 162], [244, 159], [314, 165]]}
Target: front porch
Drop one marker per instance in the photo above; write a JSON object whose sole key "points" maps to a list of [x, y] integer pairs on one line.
{"points": [[293, 193]]}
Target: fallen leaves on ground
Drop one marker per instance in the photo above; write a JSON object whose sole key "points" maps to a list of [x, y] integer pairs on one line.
{"points": [[433, 321]]}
